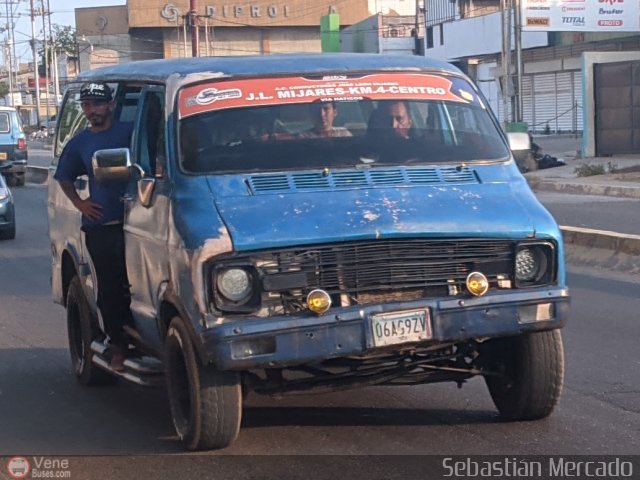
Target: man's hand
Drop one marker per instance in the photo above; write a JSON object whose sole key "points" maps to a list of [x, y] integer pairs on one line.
{"points": [[89, 209]]}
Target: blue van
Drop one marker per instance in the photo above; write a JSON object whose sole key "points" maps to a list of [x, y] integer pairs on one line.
{"points": [[13, 147], [301, 223]]}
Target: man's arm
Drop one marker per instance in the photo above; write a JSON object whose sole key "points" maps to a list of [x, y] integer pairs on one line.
{"points": [[89, 209]]}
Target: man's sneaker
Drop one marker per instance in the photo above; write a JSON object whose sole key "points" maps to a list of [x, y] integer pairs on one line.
{"points": [[117, 359]]}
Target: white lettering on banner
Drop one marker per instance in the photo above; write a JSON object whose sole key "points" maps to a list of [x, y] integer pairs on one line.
{"points": [[360, 91]]}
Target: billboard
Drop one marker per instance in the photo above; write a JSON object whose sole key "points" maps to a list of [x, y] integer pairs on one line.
{"points": [[580, 15]]}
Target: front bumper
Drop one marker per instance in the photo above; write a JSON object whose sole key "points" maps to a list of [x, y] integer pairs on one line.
{"points": [[342, 332]]}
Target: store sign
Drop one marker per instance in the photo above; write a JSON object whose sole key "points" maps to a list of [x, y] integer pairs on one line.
{"points": [[581, 15], [172, 13]]}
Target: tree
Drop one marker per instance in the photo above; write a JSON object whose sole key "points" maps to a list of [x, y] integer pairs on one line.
{"points": [[64, 41], [4, 89]]}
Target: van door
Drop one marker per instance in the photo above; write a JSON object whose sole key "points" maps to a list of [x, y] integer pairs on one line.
{"points": [[64, 218], [146, 216]]}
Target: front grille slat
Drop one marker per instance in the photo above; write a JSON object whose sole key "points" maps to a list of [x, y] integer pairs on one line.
{"points": [[383, 268]]}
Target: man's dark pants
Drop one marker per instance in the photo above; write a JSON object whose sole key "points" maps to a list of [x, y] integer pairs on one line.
{"points": [[106, 247]]}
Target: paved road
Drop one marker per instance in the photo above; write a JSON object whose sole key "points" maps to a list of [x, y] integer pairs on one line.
{"points": [[593, 211], [44, 411]]}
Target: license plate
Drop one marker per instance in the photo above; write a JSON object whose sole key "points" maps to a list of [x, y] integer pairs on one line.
{"points": [[400, 327], [3, 156]]}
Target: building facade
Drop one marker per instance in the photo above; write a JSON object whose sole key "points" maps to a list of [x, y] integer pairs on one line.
{"points": [[147, 29]]}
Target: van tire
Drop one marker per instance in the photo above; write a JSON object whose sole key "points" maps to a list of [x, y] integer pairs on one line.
{"points": [[533, 373], [206, 404], [82, 329]]}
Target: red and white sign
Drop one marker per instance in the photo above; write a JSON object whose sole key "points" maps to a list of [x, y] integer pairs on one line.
{"points": [[291, 90], [583, 15]]}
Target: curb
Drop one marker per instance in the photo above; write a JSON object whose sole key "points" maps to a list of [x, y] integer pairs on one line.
{"points": [[616, 242], [584, 189]]}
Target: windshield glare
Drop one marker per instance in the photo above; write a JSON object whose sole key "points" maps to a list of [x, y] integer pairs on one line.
{"points": [[329, 133]]}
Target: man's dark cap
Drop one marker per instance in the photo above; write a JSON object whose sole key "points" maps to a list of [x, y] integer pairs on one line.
{"points": [[95, 91]]}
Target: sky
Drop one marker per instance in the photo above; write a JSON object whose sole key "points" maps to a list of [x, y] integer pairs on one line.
{"points": [[62, 13]]}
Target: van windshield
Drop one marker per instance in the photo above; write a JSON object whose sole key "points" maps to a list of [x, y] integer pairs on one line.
{"points": [[299, 123]]}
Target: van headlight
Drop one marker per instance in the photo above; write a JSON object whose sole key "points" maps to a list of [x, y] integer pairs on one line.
{"points": [[234, 284], [534, 264]]}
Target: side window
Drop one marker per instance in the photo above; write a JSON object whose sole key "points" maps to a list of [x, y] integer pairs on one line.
{"points": [[150, 140], [4, 123], [71, 121], [127, 106]]}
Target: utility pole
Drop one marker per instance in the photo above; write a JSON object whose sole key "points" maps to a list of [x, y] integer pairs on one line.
{"points": [[9, 32], [193, 22], [505, 9], [518, 41], [34, 52], [56, 85], [47, 71], [416, 29]]}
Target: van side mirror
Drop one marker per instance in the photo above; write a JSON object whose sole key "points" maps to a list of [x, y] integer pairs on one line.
{"points": [[112, 164]]}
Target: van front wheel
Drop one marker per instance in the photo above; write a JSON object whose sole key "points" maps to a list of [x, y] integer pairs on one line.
{"points": [[206, 404], [531, 368], [83, 329]]}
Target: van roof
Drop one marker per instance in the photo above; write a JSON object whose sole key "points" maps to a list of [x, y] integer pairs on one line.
{"points": [[7, 109], [300, 64]]}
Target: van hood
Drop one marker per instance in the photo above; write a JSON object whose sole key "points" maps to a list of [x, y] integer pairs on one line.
{"points": [[269, 211]]}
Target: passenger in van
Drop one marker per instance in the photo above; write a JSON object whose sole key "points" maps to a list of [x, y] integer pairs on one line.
{"points": [[102, 212], [323, 115], [391, 118]]}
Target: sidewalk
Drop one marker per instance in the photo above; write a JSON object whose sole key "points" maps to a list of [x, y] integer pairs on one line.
{"points": [[620, 177]]}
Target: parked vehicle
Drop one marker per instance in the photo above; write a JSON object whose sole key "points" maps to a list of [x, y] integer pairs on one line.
{"points": [[13, 147], [264, 256], [7, 212]]}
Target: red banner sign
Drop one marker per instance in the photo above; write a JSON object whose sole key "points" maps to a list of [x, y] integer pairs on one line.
{"points": [[289, 90]]}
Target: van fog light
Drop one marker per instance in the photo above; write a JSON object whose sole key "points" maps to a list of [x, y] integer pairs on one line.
{"points": [[318, 301], [477, 283], [535, 313], [252, 348]]}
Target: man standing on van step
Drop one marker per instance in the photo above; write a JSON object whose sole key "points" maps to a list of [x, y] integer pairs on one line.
{"points": [[102, 212]]}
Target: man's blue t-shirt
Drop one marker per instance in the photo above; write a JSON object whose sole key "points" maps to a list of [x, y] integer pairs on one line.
{"points": [[75, 161]]}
